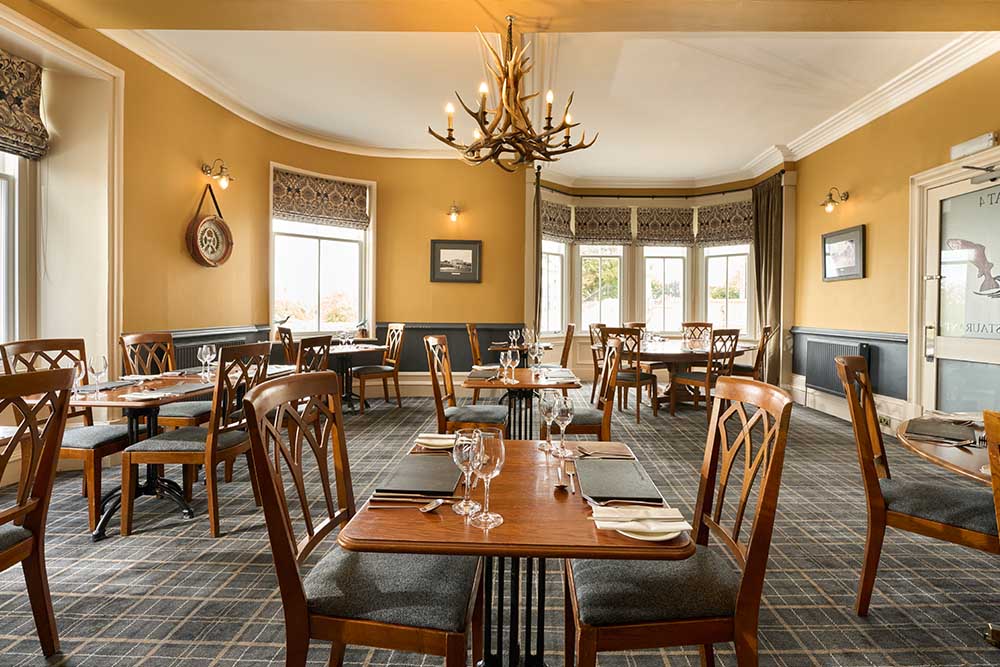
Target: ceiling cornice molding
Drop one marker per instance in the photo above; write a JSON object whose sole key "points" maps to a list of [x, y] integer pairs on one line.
{"points": [[192, 74], [951, 59], [956, 56]]}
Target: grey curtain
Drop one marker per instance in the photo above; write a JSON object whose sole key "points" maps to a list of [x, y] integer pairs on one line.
{"points": [[319, 200], [767, 216], [22, 131]]}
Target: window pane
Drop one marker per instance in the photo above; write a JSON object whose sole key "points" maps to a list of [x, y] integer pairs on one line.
{"points": [[340, 281], [600, 279], [552, 290], [738, 305], [554, 247], [590, 285], [654, 294], [716, 284], [296, 288], [311, 229], [664, 293]]}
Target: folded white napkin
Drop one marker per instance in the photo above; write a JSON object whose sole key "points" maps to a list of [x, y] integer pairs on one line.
{"points": [[173, 374], [436, 436], [144, 395], [485, 367], [640, 519], [140, 377]]}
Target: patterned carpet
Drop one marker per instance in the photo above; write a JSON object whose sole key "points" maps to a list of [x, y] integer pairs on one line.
{"points": [[170, 595]]}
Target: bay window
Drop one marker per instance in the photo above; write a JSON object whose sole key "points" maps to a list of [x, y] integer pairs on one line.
{"points": [[601, 284], [726, 287], [553, 285], [665, 283]]}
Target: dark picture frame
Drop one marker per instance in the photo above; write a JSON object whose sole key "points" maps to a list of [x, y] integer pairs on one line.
{"points": [[456, 261], [843, 255]]}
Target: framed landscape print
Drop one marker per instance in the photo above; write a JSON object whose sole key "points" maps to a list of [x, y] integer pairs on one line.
{"points": [[844, 254], [456, 261]]}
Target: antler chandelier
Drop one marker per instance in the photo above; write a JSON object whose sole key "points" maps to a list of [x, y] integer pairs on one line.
{"points": [[505, 134]]}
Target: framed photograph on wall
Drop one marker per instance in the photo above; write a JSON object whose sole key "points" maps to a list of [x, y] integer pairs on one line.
{"points": [[844, 254], [456, 261]]}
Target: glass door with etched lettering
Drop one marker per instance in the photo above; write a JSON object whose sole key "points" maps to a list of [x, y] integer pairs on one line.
{"points": [[962, 298]]}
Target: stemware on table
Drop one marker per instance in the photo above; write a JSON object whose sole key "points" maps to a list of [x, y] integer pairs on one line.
{"points": [[562, 415], [463, 454], [99, 369], [547, 408], [486, 464]]}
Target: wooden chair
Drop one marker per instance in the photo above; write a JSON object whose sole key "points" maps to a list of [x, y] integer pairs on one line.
{"points": [[153, 354], [450, 415], [89, 443], [630, 374], [943, 511], [756, 371], [477, 355], [241, 368], [696, 330], [597, 420], [596, 353], [427, 604], [632, 605], [312, 354], [288, 344], [647, 366], [566, 351], [389, 368], [721, 355], [22, 522]]}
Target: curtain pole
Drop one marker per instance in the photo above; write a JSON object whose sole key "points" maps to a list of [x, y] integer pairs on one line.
{"points": [[538, 248]]}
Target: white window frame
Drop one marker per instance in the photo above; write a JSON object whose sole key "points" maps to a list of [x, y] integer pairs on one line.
{"points": [[701, 291], [624, 281], [565, 259], [686, 296], [368, 251]]}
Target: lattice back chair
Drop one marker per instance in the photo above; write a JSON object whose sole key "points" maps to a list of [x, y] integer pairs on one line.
{"points": [[451, 416], [567, 345], [596, 353], [154, 353], [696, 330], [596, 420], [631, 605], [477, 355], [647, 366], [388, 370], [719, 363], [313, 354], [87, 443], [241, 368], [41, 422], [756, 371], [341, 601], [288, 345], [947, 512], [630, 373]]}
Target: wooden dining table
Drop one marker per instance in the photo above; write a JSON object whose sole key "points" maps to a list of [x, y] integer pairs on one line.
{"points": [[520, 397], [540, 521], [342, 356], [522, 348]]}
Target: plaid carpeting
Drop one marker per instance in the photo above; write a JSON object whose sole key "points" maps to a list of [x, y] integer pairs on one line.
{"points": [[171, 595]]}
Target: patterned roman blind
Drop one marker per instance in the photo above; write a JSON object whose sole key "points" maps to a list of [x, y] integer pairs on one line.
{"points": [[665, 226], [324, 201], [556, 222], [725, 224], [22, 131], [595, 224]]}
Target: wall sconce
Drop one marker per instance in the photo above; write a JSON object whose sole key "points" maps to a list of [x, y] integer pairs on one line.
{"points": [[833, 201], [218, 171], [454, 211]]}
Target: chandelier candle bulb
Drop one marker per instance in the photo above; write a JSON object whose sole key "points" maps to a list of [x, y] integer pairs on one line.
{"points": [[569, 122], [548, 110], [484, 90], [449, 109]]}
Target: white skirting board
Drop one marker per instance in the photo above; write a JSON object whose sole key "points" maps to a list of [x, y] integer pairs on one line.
{"points": [[893, 409]]}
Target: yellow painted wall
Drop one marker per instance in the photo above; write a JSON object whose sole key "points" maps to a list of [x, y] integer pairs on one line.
{"points": [[170, 130], [875, 163]]}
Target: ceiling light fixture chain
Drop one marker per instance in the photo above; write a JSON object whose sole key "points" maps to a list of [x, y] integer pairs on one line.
{"points": [[505, 134]]}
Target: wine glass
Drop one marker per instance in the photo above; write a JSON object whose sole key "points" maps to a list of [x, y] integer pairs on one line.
{"points": [[210, 353], [99, 369], [562, 415], [79, 370], [504, 362], [463, 453], [486, 464], [203, 358], [547, 408], [515, 361]]}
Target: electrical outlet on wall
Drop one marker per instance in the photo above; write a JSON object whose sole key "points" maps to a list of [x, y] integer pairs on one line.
{"points": [[884, 421]]}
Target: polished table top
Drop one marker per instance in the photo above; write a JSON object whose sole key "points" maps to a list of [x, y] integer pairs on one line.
{"points": [[966, 461], [521, 347], [340, 350], [676, 350], [539, 521], [524, 379]]}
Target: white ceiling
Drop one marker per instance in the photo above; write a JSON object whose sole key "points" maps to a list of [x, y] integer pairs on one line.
{"points": [[669, 106]]}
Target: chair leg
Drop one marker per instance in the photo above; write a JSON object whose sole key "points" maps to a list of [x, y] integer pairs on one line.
{"points": [[336, 655], [570, 619], [296, 647], [593, 386], [37, 582], [228, 468], [673, 397], [654, 397], [129, 472], [707, 655], [83, 490], [361, 395], [586, 648], [475, 396], [746, 650], [253, 479], [385, 389], [638, 402], [190, 472], [565, 393], [477, 624], [454, 652], [92, 481], [212, 488], [869, 568], [395, 383]]}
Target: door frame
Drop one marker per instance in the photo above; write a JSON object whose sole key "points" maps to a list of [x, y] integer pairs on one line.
{"points": [[920, 186]]}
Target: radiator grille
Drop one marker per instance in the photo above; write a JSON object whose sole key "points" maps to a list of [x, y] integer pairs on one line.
{"points": [[821, 372], [187, 355]]}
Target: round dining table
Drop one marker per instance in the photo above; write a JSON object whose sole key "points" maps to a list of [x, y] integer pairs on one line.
{"points": [[971, 462]]}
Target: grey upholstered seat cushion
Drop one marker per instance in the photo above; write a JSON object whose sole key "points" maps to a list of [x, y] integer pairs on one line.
{"points": [[370, 370], [482, 414], [743, 368], [402, 589], [629, 376], [187, 439], [691, 375], [615, 592], [968, 508], [91, 437], [587, 417], [11, 535], [189, 409]]}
